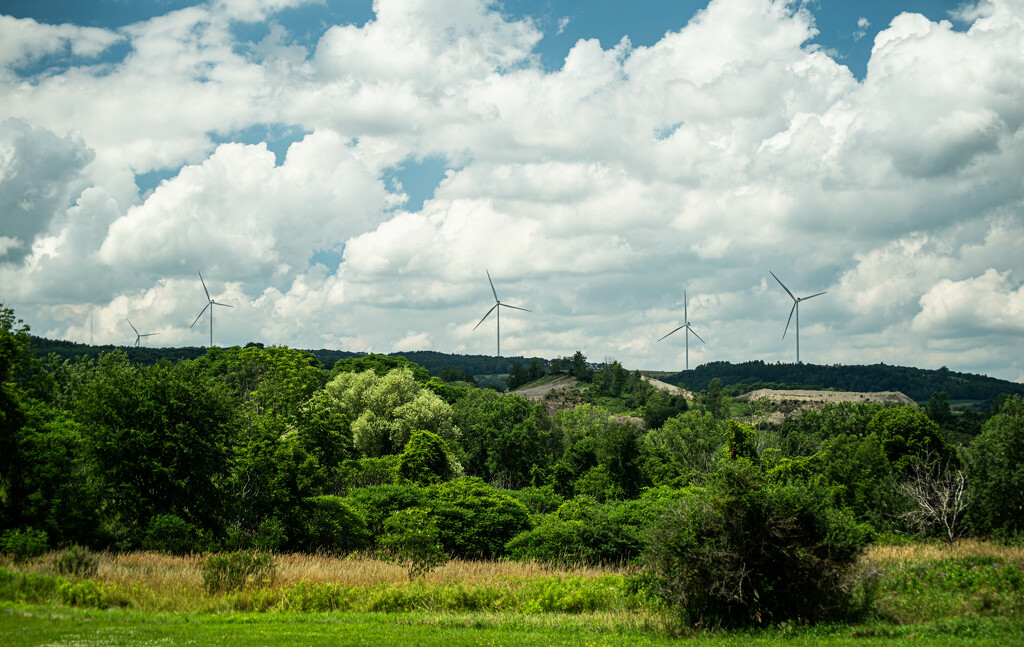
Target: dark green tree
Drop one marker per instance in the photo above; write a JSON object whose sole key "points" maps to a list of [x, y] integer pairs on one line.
{"points": [[996, 473]]}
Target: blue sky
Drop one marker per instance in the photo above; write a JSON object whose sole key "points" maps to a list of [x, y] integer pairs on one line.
{"points": [[344, 172]]}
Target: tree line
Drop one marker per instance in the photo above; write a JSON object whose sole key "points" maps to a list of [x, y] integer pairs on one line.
{"points": [[265, 448]]}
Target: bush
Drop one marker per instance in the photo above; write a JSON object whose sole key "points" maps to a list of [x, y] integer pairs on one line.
{"points": [[169, 533], [425, 459], [331, 525], [77, 560], [746, 552], [230, 571], [411, 539], [475, 519], [24, 543]]}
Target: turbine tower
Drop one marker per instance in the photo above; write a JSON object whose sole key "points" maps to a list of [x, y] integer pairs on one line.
{"points": [[498, 305], [210, 303], [138, 337], [686, 319], [795, 308]]}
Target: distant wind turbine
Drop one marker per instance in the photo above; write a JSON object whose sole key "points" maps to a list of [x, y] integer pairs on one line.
{"points": [[498, 305], [686, 324], [138, 337], [210, 304], [795, 308]]}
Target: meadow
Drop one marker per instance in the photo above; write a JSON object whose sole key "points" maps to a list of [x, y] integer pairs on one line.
{"points": [[970, 594]]}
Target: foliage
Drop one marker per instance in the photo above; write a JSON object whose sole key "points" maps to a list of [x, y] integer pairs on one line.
{"points": [[426, 459], [586, 531], [385, 410], [376, 503], [905, 434], [475, 519], [745, 552], [78, 561], [381, 365], [686, 448], [503, 437], [158, 438], [170, 533], [24, 543], [238, 569], [329, 525], [412, 540], [997, 472]]}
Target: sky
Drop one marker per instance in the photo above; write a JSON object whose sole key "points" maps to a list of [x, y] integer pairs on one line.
{"points": [[345, 173]]}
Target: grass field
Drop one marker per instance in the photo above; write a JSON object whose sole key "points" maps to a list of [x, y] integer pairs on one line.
{"points": [[973, 594]]}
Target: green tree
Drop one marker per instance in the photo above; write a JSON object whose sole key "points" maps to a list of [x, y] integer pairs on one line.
{"points": [[517, 377], [714, 400], [580, 370], [426, 459], [996, 472], [906, 433], [159, 438], [504, 437], [385, 410], [412, 539], [938, 409]]}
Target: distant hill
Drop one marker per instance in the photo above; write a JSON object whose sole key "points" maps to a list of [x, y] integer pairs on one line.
{"points": [[918, 383], [430, 360]]}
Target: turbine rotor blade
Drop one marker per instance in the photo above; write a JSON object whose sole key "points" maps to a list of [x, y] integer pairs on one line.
{"points": [[133, 327], [204, 286], [200, 314], [221, 304], [789, 320], [813, 295], [677, 329], [485, 316], [492, 285], [695, 334], [783, 286], [686, 317], [505, 305]]}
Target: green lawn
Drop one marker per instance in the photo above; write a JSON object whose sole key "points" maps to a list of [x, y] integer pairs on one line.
{"points": [[34, 625]]}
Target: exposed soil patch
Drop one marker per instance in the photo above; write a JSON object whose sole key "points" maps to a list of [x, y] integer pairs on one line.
{"points": [[787, 403], [555, 395], [671, 389]]}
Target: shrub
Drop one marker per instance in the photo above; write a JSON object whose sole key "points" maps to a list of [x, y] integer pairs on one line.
{"points": [[235, 570], [77, 560], [411, 539], [745, 552], [475, 519], [331, 525], [169, 533], [425, 459], [24, 543], [271, 534]]}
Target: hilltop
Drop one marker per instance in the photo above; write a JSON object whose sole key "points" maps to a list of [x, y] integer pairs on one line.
{"points": [[917, 383]]}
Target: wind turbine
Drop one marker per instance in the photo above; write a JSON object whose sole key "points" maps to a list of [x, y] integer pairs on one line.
{"points": [[138, 337], [498, 305], [795, 308], [210, 304], [689, 330]]}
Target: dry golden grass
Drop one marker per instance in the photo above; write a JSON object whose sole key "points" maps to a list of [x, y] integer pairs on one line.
{"points": [[935, 551], [167, 574]]}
